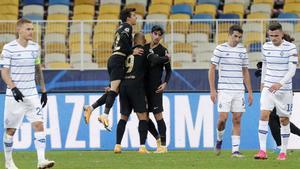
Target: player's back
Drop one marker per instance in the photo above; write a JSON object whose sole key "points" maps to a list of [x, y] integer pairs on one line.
{"points": [[123, 39], [136, 67], [277, 60], [21, 62]]}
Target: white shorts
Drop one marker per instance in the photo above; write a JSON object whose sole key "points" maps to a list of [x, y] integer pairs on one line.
{"points": [[14, 111], [231, 102], [283, 101]]}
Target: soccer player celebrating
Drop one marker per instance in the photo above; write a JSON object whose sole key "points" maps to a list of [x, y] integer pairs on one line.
{"points": [[232, 61], [122, 48], [132, 95], [21, 71], [154, 85], [280, 59]]}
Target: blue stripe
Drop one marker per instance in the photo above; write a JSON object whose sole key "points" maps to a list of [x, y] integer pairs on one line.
{"points": [[278, 50], [274, 75], [276, 63], [231, 64], [231, 70], [232, 58], [278, 69], [229, 83], [22, 65], [231, 77], [23, 80], [285, 135], [217, 56], [26, 88], [23, 73], [22, 58], [281, 57], [263, 131], [230, 51], [21, 51], [231, 89], [214, 62], [275, 82], [24, 95]]}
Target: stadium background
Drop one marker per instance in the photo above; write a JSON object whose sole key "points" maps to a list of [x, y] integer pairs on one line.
{"points": [[76, 37]]}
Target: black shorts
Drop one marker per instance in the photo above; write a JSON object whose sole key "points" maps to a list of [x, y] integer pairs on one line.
{"points": [[132, 97], [115, 67], [155, 101]]}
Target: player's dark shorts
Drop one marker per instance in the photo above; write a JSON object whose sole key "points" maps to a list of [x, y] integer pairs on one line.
{"points": [[132, 97], [115, 67], [154, 100]]}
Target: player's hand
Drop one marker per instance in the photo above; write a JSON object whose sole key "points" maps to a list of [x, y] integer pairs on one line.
{"points": [[250, 99], [161, 87], [17, 94], [138, 51], [213, 96], [275, 87], [169, 56], [107, 89], [44, 99]]}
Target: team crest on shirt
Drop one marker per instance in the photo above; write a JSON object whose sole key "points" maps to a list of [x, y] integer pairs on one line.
{"points": [[281, 53], [227, 54], [126, 29], [220, 105], [33, 54], [151, 51], [241, 55]]}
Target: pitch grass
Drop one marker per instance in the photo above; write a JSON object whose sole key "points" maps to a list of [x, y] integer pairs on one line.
{"points": [[171, 160]]}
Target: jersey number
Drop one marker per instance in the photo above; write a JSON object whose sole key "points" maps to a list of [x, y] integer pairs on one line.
{"points": [[129, 63], [117, 38], [289, 107]]}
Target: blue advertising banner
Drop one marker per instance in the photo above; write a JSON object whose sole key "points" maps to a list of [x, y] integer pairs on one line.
{"points": [[190, 118]]}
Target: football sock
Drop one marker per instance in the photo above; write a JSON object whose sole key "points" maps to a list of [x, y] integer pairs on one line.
{"points": [[100, 101], [110, 99], [40, 144], [294, 129], [235, 143], [220, 135], [274, 125], [285, 134], [120, 130], [161, 125], [152, 129], [262, 134], [8, 146], [143, 131]]}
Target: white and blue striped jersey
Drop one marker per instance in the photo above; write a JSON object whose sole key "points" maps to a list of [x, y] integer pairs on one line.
{"points": [[21, 61], [230, 61], [276, 60]]}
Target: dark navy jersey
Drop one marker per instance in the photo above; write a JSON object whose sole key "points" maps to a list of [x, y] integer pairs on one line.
{"points": [[123, 39], [155, 72]]}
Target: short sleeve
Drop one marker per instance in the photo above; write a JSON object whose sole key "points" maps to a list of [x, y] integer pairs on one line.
{"points": [[216, 57], [293, 55], [5, 58]]}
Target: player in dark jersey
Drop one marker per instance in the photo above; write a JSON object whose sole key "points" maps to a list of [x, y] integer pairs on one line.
{"points": [[132, 95], [155, 86], [122, 48]]}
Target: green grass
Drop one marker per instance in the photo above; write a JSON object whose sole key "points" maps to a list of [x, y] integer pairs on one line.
{"points": [[171, 160]]}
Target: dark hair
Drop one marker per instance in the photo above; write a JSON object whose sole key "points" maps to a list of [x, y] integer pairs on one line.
{"points": [[275, 26], [237, 28], [288, 37], [157, 28], [126, 13]]}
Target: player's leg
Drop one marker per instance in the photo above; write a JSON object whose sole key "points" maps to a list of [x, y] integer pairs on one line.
{"points": [[284, 104], [236, 130], [224, 105], [13, 117], [152, 130], [274, 125], [237, 107], [143, 131], [266, 106], [35, 117], [88, 109], [162, 131], [120, 132]]}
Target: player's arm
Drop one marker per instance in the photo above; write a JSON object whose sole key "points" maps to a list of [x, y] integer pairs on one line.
{"points": [[211, 80], [293, 61], [39, 79], [168, 70], [5, 74], [247, 82]]}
